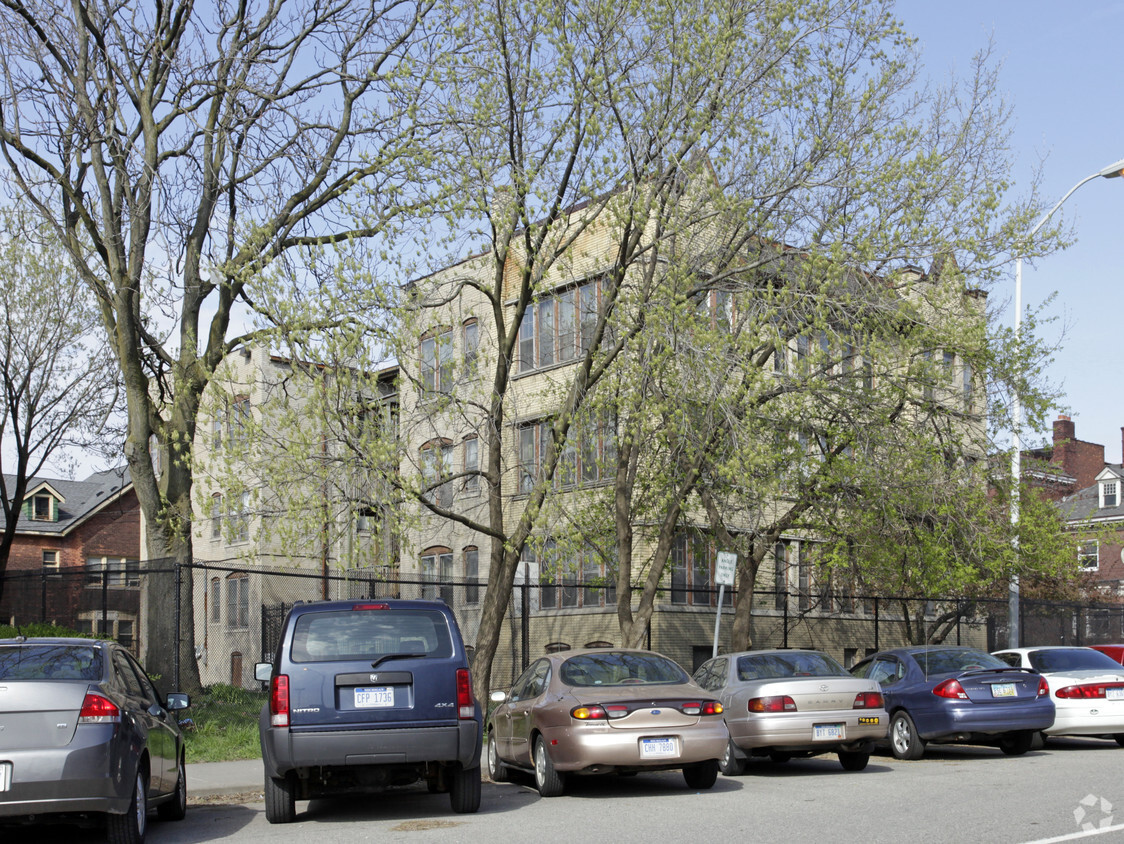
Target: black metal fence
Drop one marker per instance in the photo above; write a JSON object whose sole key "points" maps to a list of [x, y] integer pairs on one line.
{"points": [[237, 615]]}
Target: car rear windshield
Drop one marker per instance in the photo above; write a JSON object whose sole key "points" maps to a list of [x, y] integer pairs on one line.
{"points": [[370, 633], [952, 661], [50, 662], [615, 668], [796, 664], [1072, 659]]}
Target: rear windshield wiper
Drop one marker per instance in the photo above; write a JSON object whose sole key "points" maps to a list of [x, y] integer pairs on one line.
{"points": [[385, 657]]}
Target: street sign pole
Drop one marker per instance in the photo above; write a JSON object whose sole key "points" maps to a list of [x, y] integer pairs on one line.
{"points": [[724, 569]]}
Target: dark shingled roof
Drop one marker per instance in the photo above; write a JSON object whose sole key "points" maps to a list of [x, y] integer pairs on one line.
{"points": [[1085, 503], [82, 498]]}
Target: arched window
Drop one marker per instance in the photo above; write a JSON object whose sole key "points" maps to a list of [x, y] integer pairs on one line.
{"points": [[436, 370]]}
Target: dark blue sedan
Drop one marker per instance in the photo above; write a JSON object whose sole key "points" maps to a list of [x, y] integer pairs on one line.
{"points": [[953, 694]]}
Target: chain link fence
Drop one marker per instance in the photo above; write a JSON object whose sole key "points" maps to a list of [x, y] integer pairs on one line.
{"points": [[238, 613]]}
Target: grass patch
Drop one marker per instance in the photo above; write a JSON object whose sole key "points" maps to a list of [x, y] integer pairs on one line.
{"points": [[222, 724]]}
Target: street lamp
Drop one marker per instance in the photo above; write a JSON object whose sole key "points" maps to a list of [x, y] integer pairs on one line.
{"points": [[1110, 172]]}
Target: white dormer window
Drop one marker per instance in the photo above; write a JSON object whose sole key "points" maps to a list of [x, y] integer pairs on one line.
{"points": [[1109, 497]]}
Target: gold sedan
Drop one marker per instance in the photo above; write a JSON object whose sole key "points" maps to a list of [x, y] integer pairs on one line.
{"points": [[605, 711]]}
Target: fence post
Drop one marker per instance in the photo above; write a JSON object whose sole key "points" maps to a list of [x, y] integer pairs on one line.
{"points": [[525, 620], [876, 647], [176, 656], [784, 628]]}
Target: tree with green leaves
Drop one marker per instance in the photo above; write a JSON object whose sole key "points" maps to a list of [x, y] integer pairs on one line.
{"points": [[59, 383], [178, 150]]}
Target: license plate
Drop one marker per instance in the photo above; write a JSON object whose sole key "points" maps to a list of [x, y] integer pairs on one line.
{"points": [[5, 776], [1114, 693], [1003, 690], [658, 748], [379, 696], [827, 732]]}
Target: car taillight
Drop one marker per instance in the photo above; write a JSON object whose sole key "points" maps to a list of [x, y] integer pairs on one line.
{"points": [[1043, 687], [776, 703], [701, 707], [1087, 691], [466, 707], [98, 710], [950, 688], [279, 701], [371, 607], [589, 713], [868, 700]]}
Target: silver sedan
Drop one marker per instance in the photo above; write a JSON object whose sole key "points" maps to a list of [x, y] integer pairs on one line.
{"points": [[785, 703]]}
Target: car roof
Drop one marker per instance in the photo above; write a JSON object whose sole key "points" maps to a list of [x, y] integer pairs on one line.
{"points": [[56, 640], [351, 603]]}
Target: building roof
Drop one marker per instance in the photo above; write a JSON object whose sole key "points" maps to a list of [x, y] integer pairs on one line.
{"points": [[77, 500], [1084, 505]]}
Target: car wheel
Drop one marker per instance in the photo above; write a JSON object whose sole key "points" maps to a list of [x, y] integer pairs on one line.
{"points": [[904, 741], [176, 808], [731, 764], [548, 781], [853, 760], [1016, 744], [280, 799], [129, 828], [464, 789], [497, 770], [780, 757], [701, 774]]}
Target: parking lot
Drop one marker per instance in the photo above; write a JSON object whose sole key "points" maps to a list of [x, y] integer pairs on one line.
{"points": [[1072, 790]]}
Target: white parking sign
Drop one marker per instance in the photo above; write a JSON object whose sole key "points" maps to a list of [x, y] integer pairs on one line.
{"points": [[727, 563]]}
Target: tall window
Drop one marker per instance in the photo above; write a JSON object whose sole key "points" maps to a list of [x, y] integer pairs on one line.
{"points": [[780, 573], [216, 515], [472, 575], [692, 580], [966, 375], [42, 508], [437, 574], [216, 601], [436, 464], [472, 466], [238, 602], [588, 455], [1088, 555], [558, 328], [471, 344], [239, 516], [437, 361], [50, 563], [575, 578]]}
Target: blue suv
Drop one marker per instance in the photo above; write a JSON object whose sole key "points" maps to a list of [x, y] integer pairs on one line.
{"points": [[365, 695]]}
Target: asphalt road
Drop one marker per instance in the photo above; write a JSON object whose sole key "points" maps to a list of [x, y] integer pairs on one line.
{"points": [[1072, 790]]}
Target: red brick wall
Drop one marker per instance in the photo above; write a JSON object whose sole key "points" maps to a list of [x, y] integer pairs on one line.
{"points": [[1083, 460]]}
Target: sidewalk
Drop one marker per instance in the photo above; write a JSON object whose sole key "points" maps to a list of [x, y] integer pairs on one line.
{"points": [[208, 780]]}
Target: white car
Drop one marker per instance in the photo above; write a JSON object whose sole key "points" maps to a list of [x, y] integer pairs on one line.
{"points": [[1087, 688]]}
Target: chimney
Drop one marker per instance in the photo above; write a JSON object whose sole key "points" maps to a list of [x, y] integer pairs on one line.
{"points": [[1064, 430]]}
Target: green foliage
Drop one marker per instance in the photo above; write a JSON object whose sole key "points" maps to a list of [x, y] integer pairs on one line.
{"points": [[222, 724], [42, 629]]}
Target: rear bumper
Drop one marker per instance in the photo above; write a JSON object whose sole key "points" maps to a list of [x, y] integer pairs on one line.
{"points": [[284, 750], [985, 719], [89, 777], [605, 748], [794, 731], [1090, 718]]}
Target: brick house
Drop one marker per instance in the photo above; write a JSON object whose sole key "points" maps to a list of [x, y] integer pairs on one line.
{"points": [[1088, 490], [74, 560]]}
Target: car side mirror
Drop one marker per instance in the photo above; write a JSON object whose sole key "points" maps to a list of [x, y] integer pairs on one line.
{"points": [[263, 671], [177, 701]]}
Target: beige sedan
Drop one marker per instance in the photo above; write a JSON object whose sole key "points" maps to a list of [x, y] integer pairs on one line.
{"points": [[785, 703], [605, 711]]}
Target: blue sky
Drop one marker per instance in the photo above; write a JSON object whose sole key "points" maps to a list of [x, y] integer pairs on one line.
{"points": [[1059, 65]]}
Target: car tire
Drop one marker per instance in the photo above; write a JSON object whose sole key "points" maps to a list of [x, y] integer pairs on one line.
{"points": [[1017, 743], [731, 764], [780, 757], [548, 781], [701, 774], [904, 741], [464, 789], [853, 760], [129, 828], [497, 770], [280, 799], [176, 808]]}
